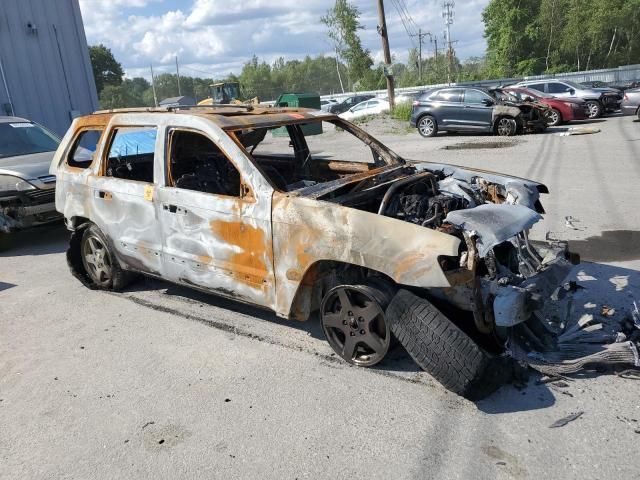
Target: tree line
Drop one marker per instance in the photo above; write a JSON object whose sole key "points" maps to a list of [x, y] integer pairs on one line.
{"points": [[524, 37], [529, 37]]}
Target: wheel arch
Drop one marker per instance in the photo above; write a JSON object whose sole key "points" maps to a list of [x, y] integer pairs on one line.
{"points": [[320, 277]]}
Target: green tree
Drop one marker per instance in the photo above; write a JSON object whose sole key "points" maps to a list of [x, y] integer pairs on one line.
{"points": [[342, 22], [106, 69], [512, 37]]}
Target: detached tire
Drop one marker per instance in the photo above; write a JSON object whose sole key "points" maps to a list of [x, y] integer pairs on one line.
{"points": [[442, 349]]}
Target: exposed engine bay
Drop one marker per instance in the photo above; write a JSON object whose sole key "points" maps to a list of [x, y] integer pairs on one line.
{"points": [[506, 282]]}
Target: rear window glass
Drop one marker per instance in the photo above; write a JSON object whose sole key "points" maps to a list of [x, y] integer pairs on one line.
{"points": [[25, 138], [84, 148], [447, 96]]}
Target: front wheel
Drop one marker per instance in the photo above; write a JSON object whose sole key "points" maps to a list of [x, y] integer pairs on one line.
{"points": [[354, 323], [506, 127], [554, 118], [427, 126], [594, 108]]}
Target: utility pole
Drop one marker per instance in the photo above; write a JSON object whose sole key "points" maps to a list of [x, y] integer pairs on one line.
{"points": [[153, 86], [448, 15], [382, 30], [420, 36], [178, 75]]}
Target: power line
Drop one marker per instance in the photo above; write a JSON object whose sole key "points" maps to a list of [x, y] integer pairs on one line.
{"points": [[406, 23]]}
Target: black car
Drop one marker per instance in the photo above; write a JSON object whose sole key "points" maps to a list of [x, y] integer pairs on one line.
{"points": [[348, 102], [476, 109]]}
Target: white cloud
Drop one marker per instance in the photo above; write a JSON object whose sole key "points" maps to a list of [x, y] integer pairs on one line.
{"points": [[218, 36]]}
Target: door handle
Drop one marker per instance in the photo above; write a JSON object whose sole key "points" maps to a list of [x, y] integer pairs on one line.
{"points": [[104, 195], [170, 208]]}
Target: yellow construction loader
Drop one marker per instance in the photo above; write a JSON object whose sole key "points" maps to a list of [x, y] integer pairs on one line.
{"points": [[227, 93]]}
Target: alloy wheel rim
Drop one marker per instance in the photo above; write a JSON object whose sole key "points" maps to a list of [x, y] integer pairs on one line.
{"points": [[593, 110], [96, 260], [426, 126], [504, 126], [354, 325]]}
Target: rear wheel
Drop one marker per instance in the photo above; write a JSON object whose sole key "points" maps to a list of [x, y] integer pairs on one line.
{"points": [[427, 126], [506, 127], [554, 118], [99, 262], [594, 108], [354, 323]]}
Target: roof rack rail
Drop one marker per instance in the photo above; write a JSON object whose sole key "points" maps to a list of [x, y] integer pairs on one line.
{"points": [[248, 108], [132, 110]]}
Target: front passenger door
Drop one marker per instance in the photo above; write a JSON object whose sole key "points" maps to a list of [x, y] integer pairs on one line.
{"points": [[478, 109], [217, 232]]}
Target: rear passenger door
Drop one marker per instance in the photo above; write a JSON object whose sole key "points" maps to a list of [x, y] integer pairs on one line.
{"points": [[216, 224], [448, 108], [122, 196]]}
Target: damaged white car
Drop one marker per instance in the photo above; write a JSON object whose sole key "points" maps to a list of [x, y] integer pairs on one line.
{"points": [[26, 187], [299, 212]]}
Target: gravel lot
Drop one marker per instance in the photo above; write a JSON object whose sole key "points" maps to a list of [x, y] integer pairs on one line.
{"points": [[164, 382]]}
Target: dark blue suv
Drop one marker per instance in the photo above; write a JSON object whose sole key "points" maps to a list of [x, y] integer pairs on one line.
{"points": [[474, 110]]}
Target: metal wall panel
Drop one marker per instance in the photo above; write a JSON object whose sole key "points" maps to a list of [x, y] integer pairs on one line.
{"points": [[45, 59]]}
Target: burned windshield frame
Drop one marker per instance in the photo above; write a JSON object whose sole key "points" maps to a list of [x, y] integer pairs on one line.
{"points": [[249, 140]]}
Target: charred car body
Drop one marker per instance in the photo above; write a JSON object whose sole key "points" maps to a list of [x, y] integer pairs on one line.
{"points": [[248, 203], [27, 190], [476, 109]]}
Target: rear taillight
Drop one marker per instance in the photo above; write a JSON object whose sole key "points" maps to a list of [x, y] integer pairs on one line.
{"points": [[625, 97]]}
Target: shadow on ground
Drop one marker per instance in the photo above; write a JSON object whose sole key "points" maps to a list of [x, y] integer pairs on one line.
{"points": [[37, 241], [609, 246]]}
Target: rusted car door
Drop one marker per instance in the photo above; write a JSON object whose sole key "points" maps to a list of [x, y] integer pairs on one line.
{"points": [[121, 193], [215, 210]]}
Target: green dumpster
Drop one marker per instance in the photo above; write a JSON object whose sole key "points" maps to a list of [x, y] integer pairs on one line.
{"points": [[299, 100]]}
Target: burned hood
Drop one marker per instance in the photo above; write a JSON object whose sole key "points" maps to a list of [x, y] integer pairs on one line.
{"points": [[517, 190], [493, 224]]}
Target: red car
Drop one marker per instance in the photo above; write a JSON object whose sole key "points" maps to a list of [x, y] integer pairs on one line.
{"points": [[562, 109]]}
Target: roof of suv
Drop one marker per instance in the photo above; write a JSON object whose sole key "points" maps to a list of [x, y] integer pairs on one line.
{"points": [[225, 116]]}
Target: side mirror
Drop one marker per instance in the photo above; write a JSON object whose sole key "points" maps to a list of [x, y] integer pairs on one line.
{"points": [[572, 91], [527, 98], [486, 102]]}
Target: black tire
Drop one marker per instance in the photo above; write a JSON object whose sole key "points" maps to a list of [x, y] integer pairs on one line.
{"points": [[442, 349], [506, 127], [117, 278], [554, 118], [427, 126], [595, 108], [4, 242]]}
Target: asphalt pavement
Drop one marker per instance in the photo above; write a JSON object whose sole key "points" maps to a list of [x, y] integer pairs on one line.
{"points": [[163, 382]]}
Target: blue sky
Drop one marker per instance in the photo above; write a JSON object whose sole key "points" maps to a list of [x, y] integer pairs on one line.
{"points": [[216, 37]]}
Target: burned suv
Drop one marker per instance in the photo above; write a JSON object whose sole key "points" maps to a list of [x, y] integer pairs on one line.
{"points": [[457, 109], [300, 212]]}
